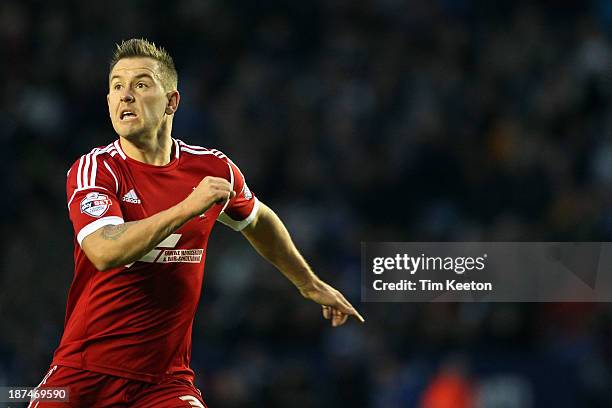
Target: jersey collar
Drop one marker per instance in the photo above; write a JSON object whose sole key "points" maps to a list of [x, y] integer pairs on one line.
{"points": [[175, 144]]}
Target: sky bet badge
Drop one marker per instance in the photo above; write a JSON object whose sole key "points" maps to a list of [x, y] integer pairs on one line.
{"points": [[95, 204]]}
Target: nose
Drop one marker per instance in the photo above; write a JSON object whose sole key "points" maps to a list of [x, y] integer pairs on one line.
{"points": [[127, 97]]}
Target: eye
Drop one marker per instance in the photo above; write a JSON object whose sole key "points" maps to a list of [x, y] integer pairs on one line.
{"points": [[141, 85], [116, 87]]}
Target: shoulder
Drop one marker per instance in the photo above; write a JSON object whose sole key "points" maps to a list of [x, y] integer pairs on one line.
{"points": [[201, 154], [88, 167], [194, 150], [215, 161], [101, 152]]}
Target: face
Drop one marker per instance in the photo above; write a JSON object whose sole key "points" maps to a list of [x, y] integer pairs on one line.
{"points": [[138, 104]]}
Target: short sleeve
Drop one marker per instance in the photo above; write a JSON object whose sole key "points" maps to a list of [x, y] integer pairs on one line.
{"points": [[241, 210], [91, 191]]}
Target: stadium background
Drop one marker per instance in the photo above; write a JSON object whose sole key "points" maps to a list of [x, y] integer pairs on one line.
{"points": [[383, 120]]}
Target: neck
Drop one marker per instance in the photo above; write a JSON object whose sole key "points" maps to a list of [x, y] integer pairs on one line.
{"points": [[150, 149]]}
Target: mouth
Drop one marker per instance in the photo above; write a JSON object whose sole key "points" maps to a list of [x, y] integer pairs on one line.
{"points": [[127, 115]]}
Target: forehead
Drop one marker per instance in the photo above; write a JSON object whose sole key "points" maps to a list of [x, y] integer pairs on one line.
{"points": [[130, 67]]}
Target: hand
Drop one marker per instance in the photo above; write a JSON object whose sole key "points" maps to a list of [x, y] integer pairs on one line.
{"points": [[210, 191], [334, 304]]}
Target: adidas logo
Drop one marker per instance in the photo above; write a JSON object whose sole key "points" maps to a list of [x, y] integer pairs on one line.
{"points": [[131, 197]]}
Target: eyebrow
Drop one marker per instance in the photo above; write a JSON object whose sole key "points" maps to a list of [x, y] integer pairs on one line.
{"points": [[143, 75]]}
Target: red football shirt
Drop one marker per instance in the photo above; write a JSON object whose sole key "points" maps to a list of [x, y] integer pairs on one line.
{"points": [[135, 321]]}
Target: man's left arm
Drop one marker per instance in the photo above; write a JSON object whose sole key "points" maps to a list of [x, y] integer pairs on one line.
{"points": [[268, 235]]}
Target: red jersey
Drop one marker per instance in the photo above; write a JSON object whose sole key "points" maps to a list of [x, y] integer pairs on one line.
{"points": [[135, 321]]}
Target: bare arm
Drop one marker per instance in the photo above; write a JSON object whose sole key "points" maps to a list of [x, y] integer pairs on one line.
{"points": [[116, 245], [268, 235]]}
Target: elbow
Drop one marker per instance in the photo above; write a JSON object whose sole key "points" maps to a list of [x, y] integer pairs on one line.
{"points": [[100, 257], [103, 266], [101, 262], [102, 253]]}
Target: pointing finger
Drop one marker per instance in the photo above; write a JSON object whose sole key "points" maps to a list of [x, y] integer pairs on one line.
{"points": [[358, 316], [348, 309]]}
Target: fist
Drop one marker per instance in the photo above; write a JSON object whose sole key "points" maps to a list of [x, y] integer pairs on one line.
{"points": [[210, 191]]}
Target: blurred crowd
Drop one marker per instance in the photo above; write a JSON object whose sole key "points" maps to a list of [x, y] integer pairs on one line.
{"points": [[386, 120]]}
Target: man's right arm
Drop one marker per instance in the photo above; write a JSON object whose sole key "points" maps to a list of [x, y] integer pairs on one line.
{"points": [[115, 245]]}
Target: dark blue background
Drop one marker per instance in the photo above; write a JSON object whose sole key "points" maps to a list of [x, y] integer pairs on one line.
{"points": [[357, 121]]}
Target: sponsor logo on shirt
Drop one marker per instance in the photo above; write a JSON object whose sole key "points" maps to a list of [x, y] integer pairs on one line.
{"points": [[180, 255], [95, 204], [162, 255], [131, 197]]}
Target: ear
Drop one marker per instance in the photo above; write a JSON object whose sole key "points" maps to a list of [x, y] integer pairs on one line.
{"points": [[173, 101]]}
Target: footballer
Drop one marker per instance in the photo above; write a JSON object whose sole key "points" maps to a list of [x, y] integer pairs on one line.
{"points": [[142, 209]]}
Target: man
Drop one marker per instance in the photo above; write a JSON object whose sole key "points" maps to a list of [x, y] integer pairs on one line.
{"points": [[142, 210]]}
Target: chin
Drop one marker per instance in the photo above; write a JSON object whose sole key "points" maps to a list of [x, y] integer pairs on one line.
{"points": [[129, 133]]}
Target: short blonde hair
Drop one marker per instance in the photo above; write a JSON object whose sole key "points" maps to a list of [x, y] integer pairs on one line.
{"points": [[142, 48]]}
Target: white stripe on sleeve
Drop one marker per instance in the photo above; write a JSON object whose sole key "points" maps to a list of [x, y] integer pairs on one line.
{"points": [[94, 168], [231, 180], [79, 184], [86, 170], [239, 225], [96, 225], [112, 174], [199, 152]]}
